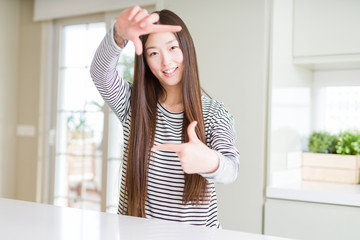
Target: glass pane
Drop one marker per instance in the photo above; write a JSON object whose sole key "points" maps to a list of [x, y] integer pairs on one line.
{"points": [[126, 62], [83, 152], [75, 41], [95, 33], [92, 181], [61, 181], [95, 122], [115, 153], [78, 163], [77, 128], [78, 91], [79, 179], [342, 109], [81, 42], [116, 141]]}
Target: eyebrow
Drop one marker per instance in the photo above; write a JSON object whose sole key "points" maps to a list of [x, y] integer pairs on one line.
{"points": [[168, 42]]}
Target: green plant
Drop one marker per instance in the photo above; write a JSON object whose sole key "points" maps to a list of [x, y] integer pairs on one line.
{"points": [[322, 142], [349, 143], [334, 141]]}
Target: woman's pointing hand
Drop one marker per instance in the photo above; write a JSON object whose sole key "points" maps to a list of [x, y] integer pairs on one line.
{"points": [[195, 156]]}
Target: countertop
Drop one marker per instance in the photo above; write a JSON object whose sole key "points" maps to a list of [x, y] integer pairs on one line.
{"points": [[28, 220], [319, 192]]}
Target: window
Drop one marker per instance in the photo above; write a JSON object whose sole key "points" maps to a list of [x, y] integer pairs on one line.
{"points": [[80, 120], [88, 148], [338, 108]]}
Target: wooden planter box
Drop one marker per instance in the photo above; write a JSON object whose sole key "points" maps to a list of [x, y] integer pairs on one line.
{"points": [[334, 168]]}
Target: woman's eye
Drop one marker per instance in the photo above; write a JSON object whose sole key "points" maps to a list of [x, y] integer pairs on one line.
{"points": [[153, 54], [173, 47]]}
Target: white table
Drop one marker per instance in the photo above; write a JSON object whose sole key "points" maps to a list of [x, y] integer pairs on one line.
{"points": [[27, 220]]}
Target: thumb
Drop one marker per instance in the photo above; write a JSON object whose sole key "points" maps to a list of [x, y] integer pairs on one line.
{"points": [[138, 46], [191, 132]]}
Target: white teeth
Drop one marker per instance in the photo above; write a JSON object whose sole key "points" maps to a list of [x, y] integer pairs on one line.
{"points": [[170, 70]]}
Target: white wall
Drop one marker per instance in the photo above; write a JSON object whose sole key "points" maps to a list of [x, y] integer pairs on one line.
{"points": [[20, 44], [290, 91], [9, 22], [28, 102], [231, 42]]}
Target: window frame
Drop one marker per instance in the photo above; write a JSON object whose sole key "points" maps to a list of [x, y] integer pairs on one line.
{"points": [[58, 58]]}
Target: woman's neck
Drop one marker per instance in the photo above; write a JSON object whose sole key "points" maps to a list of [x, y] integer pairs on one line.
{"points": [[172, 101]]}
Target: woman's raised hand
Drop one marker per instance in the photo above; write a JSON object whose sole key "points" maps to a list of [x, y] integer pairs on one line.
{"points": [[135, 21], [195, 156]]}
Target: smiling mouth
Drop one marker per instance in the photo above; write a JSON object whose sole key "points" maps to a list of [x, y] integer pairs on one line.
{"points": [[170, 71]]}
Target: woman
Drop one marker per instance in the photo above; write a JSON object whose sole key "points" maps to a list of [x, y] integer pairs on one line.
{"points": [[177, 142]]}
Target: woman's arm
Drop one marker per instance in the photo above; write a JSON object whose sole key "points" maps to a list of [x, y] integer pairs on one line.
{"points": [[130, 24], [114, 90], [222, 141]]}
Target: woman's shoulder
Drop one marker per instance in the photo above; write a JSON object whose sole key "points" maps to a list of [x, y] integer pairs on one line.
{"points": [[208, 102], [214, 109]]}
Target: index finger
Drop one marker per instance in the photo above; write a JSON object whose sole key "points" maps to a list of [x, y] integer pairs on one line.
{"points": [[132, 11], [172, 147], [165, 28]]}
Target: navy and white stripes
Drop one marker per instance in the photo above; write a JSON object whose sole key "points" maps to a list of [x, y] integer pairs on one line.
{"points": [[165, 184]]}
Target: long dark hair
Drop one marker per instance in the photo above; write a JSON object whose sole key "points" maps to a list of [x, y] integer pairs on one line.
{"points": [[146, 91]]}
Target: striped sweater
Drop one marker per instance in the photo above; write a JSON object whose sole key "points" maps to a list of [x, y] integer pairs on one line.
{"points": [[165, 184]]}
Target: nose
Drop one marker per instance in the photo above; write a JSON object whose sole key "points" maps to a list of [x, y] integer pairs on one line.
{"points": [[166, 59]]}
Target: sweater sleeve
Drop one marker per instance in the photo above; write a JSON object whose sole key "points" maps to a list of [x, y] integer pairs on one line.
{"points": [[114, 90], [222, 140]]}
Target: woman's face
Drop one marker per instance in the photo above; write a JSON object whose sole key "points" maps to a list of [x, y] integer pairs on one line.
{"points": [[165, 58]]}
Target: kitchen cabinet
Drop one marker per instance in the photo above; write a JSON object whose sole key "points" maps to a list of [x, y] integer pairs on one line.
{"points": [[327, 33], [308, 220]]}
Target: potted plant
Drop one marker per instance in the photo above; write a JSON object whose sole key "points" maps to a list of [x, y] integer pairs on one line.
{"points": [[348, 143], [332, 158]]}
